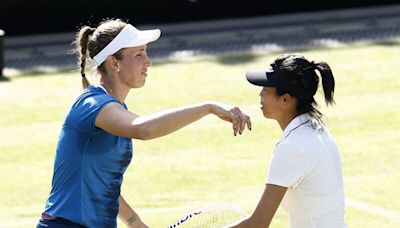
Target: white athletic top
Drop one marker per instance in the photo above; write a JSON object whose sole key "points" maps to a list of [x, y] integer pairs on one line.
{"points": [[306, 161]]}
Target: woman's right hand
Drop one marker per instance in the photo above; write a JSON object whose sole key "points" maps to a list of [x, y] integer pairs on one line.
{"points": [[231, 114]]}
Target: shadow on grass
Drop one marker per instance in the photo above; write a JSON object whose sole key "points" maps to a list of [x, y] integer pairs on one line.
{"points": [[225, 59], [236, 59], [388, 43], [4, 79], [161, 62], [24, 74]]}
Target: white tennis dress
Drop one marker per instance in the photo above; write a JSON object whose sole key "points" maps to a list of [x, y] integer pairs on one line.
{"points": [[306, 160]]}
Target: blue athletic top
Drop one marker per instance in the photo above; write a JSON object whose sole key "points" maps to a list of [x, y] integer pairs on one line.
{"points": [[89, 165]]}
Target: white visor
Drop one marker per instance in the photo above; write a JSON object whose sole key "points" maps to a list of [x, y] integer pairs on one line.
{"points": [[128, 37]]}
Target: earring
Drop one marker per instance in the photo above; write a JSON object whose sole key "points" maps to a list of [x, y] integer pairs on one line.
{"points": [[117, 70]]}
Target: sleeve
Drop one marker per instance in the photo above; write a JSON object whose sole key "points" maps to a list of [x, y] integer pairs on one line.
{"points": [[84, 112], [287, 167]]}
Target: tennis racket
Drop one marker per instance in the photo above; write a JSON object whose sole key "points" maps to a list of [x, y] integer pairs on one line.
{"points": [[216, 216]]}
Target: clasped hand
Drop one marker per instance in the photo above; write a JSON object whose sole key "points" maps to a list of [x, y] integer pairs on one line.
{"points": [[232, 114]]}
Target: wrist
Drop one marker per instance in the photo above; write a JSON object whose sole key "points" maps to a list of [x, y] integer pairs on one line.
{"points": [[132, 221], [209, 106]]}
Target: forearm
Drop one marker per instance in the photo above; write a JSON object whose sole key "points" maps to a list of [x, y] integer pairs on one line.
{"points": [[266, 208], [127, 214], [168, 121], [246, 223], [116, 120]]}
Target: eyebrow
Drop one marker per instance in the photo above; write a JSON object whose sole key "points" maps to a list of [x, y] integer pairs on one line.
{"points": [[136, 51], [139, 50]]}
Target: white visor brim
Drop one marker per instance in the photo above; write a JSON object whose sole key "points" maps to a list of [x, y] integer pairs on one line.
{"points": [[128, 37]]}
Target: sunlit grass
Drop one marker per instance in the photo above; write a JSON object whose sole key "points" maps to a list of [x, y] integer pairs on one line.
{"points": [[204, 163]]}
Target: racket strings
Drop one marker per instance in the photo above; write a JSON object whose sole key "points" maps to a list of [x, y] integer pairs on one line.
{"points": [[214, 219]]}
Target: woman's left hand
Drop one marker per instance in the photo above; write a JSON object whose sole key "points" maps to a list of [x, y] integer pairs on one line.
{"points": [[231, 114]]}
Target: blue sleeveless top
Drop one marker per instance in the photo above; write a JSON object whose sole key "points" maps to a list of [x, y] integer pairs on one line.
{"points": [[89, 165]]}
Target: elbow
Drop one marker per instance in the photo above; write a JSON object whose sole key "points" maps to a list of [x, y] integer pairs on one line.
{"points": [[143, 133]]}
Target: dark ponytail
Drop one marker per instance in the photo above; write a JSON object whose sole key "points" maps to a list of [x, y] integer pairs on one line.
{"points": [[328, 82], [303, 80], [82, 43]]}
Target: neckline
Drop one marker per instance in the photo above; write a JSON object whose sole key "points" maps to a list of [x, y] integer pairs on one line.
{"points": [[297, 122], [104, 89]]}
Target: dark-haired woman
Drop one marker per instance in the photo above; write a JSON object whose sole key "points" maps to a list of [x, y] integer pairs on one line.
{"points": [[95, 146], [305, 172]]}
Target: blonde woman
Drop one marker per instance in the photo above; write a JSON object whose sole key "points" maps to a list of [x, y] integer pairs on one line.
{"points": [[95, 144]]}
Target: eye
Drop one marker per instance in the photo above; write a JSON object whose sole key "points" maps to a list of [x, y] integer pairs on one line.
{"points": [[140, 54]]}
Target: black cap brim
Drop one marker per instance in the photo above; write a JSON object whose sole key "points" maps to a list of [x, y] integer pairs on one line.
{"points": [[259, 78]]}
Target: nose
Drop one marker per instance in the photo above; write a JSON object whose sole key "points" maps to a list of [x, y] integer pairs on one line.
{"points": [[148, 60]]}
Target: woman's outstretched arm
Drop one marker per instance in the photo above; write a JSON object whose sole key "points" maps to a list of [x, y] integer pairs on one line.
{"points": [[116, 120]]}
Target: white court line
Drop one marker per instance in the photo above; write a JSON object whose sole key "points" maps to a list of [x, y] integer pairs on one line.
{"points": [[387, 213]]}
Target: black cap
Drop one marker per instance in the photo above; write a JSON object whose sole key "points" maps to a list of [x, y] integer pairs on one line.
{"points": [[271, 77], [274, 77]]}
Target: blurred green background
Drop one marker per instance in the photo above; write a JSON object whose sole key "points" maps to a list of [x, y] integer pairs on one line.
{"points": [[204, 163]]}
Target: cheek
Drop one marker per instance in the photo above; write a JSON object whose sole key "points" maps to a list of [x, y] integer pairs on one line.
{"points": [[132, 72], [265, 100], [130, 62], [269, 104]]}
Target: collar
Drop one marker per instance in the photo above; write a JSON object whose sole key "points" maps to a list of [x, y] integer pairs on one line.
{"points": [[298, 121], [101, 87]]}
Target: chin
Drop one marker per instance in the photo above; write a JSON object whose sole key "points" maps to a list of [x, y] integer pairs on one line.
{"points": [[139, 84], [266, 115]]}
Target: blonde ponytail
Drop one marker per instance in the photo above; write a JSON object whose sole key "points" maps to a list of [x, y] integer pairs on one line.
{"points": [[82, 42]]}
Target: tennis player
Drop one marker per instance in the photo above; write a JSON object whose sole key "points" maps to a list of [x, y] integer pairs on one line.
{"points": [[95, 146], [305, 173]]}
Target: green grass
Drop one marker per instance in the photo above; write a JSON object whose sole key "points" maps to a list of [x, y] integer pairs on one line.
{"points": [[204, 163]]}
